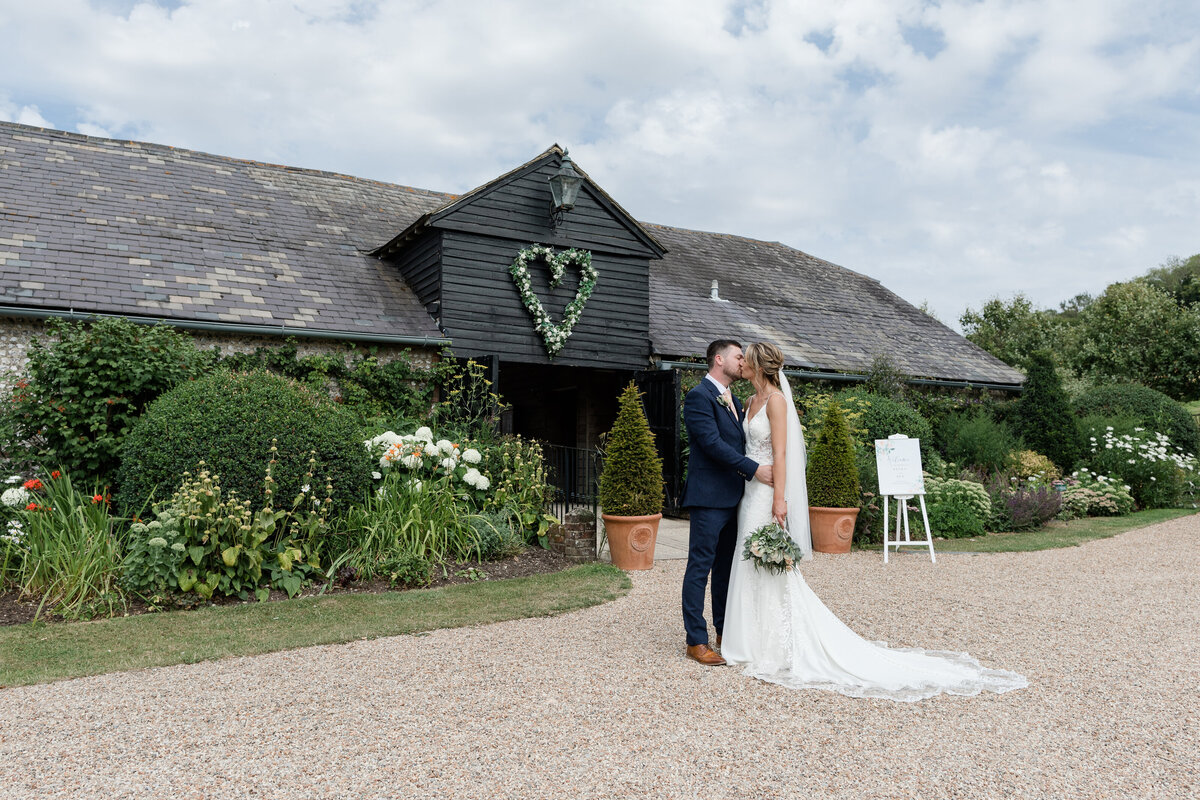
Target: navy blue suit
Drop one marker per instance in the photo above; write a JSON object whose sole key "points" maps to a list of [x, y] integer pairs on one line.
{"points": [[718, 471]]}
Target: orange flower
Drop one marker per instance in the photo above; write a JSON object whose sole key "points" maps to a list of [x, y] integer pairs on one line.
{"points": [[97, 498], [33, 484], [31, 507], [56, 474]]}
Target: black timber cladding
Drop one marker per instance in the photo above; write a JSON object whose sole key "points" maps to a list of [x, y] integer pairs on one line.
{"points": [[481, 309]]}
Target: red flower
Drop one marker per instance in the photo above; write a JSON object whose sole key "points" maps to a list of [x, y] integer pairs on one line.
{"points": [[56, 474], [97, 498], [33, 484], [31, 507]]}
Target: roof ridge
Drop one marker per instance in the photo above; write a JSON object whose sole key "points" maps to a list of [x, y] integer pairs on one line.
{"points": [[134, 143]]}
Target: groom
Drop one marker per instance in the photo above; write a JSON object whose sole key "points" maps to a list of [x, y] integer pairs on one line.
{"points": [[718, 471]]}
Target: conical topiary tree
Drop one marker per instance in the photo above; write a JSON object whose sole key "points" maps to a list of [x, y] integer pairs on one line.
{"points": [[1044, 414], [631, 484], [832, 474]]}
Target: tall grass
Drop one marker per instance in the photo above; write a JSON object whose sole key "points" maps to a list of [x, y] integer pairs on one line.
{"points": [[403, 518], [70, 552]]}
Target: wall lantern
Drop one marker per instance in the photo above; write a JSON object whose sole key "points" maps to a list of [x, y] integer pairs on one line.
{"points": [[564, 188]]}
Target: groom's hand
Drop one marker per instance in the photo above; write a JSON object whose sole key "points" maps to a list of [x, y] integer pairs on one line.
{"points": [[765, 474]]}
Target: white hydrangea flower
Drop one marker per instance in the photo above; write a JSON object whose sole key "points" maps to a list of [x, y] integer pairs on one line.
{"points": [[424, 434], [483, 483], [16, 496], [471, 476], [432, 450], [376, 475], [447, 447], [412, 461], [449, 463], [472, 456], [15, 479]]}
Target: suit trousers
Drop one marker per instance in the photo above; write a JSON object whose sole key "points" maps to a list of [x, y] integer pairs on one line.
{"points": [[711, 540]]}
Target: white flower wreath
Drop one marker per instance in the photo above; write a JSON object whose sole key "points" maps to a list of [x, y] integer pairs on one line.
{"points": [[555, 336]]}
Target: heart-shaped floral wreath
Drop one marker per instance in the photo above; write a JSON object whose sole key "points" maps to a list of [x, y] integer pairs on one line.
{"points": [[555, 336]]}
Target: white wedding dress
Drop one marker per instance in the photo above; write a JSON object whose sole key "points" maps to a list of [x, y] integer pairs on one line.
{"points": [[778, 630]]}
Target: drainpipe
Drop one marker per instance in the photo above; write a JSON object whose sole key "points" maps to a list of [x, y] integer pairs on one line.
{"points": [[842, 377], [231, 327]]}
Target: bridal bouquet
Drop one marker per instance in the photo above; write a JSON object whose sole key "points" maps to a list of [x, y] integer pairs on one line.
{"points": [[770, 548]]}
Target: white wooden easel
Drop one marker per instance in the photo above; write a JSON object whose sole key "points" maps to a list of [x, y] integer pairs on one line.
{"points": [[900, 478]]}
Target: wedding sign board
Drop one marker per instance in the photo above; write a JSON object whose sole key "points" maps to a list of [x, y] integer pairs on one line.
{"points": [[898, 459], [899, 463]]}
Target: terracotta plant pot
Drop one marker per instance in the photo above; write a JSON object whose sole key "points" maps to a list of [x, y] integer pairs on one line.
{"points": [[631, 540], [832, 528]]}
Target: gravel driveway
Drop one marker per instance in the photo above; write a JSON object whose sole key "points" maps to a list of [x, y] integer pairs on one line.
{"points": [[602, 703]]}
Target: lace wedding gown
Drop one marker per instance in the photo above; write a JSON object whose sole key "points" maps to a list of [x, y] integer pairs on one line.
{"points": [[778, 630]]}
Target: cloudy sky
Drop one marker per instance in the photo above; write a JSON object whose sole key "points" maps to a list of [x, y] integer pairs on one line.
{"points": [[956, 151]]}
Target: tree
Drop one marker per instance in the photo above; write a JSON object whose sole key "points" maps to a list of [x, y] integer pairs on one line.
{"points": [[1044, 414], [1135, 332], [1012, 330], [1177, 277]]}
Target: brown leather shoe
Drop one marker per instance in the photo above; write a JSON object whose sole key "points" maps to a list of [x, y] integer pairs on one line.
{"points": [[705, 655]]}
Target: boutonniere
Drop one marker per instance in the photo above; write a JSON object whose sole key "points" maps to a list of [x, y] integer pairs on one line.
{"points": [[726, 400]]}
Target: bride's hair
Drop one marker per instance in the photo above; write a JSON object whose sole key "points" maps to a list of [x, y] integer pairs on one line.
{"points": [[767, 359]]}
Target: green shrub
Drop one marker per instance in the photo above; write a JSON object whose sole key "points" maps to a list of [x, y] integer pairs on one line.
{"points": [[881, 416], [1044, 416], [868, 526], [1156, 471], [1030, 465], [231, 421], [395, 393], [498, 536], [832, 472], [211, 542], [631, 484], [518, 468], [1151, 409], [408, 570], [1090, 494], [85, 390], [956, 508], [976, 440]]}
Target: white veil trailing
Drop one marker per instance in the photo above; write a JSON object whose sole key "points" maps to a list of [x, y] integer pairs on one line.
{"points": [[796, 461]]}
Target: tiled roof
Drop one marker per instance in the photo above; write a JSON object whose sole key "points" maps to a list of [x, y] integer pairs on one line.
{"points": [[821, 315], [147, 230], [99, 225]]}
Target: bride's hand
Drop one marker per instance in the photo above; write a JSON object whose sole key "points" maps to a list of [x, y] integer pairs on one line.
{"points": [[779, 512]]}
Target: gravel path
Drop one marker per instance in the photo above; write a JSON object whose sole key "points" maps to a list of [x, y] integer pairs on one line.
{"points": [[602, 703]]}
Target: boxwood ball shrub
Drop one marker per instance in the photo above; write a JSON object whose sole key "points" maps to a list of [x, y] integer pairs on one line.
{"points": [[229, 420], [1151, 409], [631, 484]]}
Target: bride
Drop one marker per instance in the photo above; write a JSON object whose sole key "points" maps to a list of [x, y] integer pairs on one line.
{"points": [[776, 628]]}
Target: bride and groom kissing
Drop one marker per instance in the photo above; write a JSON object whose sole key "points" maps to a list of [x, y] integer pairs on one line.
{"points": [[747, 469]]}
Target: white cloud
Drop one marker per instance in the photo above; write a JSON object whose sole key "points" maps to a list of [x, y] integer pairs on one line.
{"points": [[952, 150]]}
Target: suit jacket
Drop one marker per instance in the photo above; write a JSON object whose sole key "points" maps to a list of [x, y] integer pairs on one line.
{"points": [[717, 465]]}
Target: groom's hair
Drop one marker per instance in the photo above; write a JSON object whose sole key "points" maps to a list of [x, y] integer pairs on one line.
{"points": [[716, 347]]}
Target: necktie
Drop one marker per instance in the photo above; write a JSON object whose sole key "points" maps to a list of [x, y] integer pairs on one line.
{"points": [[727, 399]]}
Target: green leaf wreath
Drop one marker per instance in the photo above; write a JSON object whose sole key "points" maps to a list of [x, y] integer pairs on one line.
{"points": [[554, 335]]}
